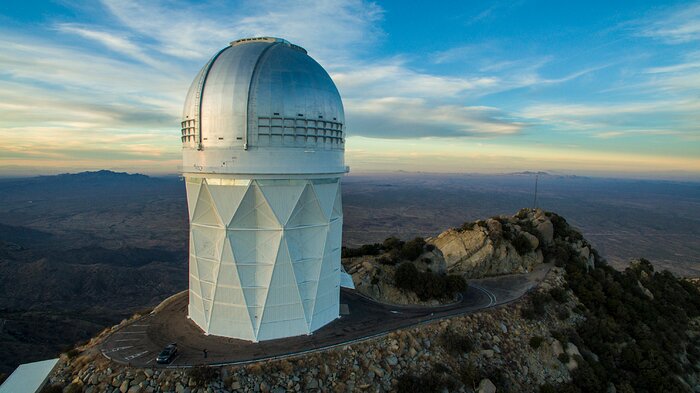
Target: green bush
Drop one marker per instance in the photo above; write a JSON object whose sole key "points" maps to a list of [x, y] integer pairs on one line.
{"points": [[548, 388], [428, 285], [412, 249], [434, 381], [456, 343], [392, 243], [521, 244], [563, 314], [367, 249], [536, 342], [539, 300], [563, 357], [202, 375], [467, 226], [559, 294], [470, 375], [74, 388], [52, 389]]}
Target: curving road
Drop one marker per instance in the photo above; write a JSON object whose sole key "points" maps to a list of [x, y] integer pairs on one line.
{"points": [[138, 343]]}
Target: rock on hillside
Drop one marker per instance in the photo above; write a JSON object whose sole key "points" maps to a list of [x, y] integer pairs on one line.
{"points": [[499, 245]]}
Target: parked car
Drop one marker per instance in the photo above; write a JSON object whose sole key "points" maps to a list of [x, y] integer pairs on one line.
{"points": [[167, 354]]}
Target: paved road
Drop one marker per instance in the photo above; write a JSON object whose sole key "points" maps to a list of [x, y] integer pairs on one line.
{"points": [[139, 342]]}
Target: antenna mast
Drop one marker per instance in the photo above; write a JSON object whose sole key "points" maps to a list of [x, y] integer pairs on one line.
{"points": [[537, 177]]}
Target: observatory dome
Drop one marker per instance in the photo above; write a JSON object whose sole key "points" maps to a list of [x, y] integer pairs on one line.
{"points": [[263, 106]]}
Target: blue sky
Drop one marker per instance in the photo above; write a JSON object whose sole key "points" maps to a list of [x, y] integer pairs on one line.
{"points": [[593, 88]]}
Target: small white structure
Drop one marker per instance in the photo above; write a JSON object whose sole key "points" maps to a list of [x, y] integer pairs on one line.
{"points": [[28, 377], [263, 153]]}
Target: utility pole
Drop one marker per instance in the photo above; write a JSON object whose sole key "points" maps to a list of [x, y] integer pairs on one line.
{"points": [[537, 177]]}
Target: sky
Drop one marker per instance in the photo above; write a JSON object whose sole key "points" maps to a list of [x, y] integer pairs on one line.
{"points": [[603, 88]]}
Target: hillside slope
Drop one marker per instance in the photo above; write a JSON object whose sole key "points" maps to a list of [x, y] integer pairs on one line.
{"points": [[587, 328]]}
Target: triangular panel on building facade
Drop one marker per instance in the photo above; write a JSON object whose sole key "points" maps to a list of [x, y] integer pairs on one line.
{"points": [[226, 200], [307, 211], [254, 212], [282, 198], [326, 191], [338, 205], [193, 184], [205, 212], [207, 241], [283, 312]]}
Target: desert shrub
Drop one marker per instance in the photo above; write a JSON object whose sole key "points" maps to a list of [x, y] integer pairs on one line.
{"points": [[548, 388], [439, 379], [73, 388], [429, 247], [427, 261], [427, 285], [202, 375], [559, 294], [412, 249], [561, 252], [563, 357], [536, 341], [367, 249], [467, 226], [455, 283], [375, 280], [470, 375], [539, 301], [51, 389], [407, 276], [456, 343], [562, 229], [521, 244], [428, 383], [72, 353], [392, 243], [522, 213], [563, 314]]}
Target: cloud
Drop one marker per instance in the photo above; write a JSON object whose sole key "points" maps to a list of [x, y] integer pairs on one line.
{"points": [[673, 118], [394, 78], [396, 117], [677, 26], [114, 41], [195, 31]]}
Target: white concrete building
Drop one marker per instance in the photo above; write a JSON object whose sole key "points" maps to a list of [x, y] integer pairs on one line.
{"points": [[263, 153]]}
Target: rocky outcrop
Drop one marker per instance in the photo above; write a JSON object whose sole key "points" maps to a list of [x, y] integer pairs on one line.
{"points": [[488, 248], [376, 280]]}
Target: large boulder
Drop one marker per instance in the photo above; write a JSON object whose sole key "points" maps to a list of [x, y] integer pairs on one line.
{"points": [[546, 230], [475, 253], [486, 386]]}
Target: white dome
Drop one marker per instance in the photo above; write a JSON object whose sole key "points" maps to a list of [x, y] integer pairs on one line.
{"points": [[261, 94]]}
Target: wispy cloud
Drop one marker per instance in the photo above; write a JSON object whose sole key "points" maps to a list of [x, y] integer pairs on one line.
{"points": [[395, 117], [677, 26], [113, 41]]}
